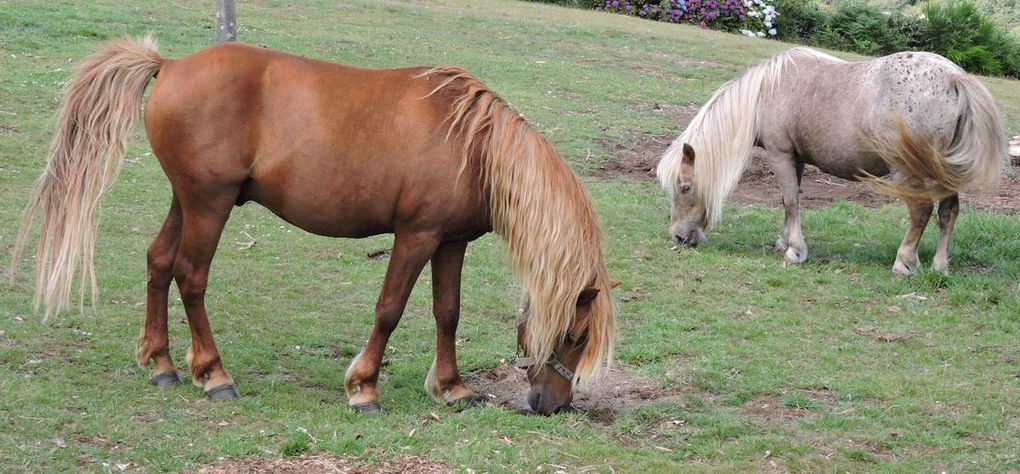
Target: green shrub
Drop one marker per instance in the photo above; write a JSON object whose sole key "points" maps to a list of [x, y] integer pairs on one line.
{"points": [[968, 38], [798, 20], [864, 30]]}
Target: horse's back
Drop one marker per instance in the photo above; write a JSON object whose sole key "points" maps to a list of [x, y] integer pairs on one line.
{"points": [[328, 147], [830, 107]]}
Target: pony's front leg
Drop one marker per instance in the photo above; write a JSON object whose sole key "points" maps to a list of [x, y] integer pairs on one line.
{"points": [[153, 342], [949, 208], [443, 381], [788, 173], [906, 257], [410, 253]]}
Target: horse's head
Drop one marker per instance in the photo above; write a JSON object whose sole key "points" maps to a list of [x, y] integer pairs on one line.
{"points": [[687, 217], [552, 382]]}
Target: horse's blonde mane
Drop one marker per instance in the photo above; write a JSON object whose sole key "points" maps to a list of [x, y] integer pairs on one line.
{"points": [[554, 241], [723, 132]]}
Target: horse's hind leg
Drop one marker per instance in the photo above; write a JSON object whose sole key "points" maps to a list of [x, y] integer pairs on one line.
{"points": [[949, 208], [410, 254], [203, 223], [443, 381], [788, 173], [153, 342], [906, 257]]}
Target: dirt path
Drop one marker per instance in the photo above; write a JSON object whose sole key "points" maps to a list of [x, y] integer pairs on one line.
{"points": [[638, 159]]}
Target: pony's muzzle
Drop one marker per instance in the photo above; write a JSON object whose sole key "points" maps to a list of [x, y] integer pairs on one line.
{"points": [[687, 236], [546, 403]]}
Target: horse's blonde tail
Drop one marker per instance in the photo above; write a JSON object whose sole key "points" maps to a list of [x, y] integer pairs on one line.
{"points": [[101, 104], [975, 157]]}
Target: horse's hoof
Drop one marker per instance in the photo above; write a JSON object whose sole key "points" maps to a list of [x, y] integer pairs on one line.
{"points": [[466, 403], [223, 392], [901, 270], [370, 408], [166, 379]]}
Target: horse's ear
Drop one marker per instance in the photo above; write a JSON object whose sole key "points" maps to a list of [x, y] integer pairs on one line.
{"points": [[688, 155], [613, 283], [587, 295]]}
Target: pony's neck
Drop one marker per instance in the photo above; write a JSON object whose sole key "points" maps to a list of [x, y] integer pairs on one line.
{"points": [[723, 134], [537, 204]]}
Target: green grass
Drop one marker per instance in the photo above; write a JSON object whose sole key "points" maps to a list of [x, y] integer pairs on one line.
{"points": [[724, 325]]}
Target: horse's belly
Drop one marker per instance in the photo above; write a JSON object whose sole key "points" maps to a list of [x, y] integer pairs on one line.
{"points": [[850, 164], [327, 213]]}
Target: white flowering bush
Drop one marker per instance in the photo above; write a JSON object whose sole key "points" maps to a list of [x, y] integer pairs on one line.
{"points": [[760, 20]]}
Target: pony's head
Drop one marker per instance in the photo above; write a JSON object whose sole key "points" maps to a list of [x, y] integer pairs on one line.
{"points": [[688, 218], [552, 382]]}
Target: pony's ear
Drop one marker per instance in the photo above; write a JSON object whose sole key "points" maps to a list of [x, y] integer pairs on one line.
{"points": [[613, 283], [587, 295], [688, 155]]}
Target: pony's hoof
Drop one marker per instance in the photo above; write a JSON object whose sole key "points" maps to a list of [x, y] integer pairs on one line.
{"points": [[370, 408], [223, 392], [901, 270], [166, 379], [794, 255], [780, 245], [466, 403]]}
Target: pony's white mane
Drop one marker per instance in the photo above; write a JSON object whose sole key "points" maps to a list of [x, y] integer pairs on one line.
{"points": [[724, 131]]}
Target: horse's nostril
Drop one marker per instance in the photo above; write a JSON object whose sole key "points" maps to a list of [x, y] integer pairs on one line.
{"points": [[534, 398], [677, 239]]}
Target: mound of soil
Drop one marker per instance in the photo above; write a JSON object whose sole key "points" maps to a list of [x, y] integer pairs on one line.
{"points": [[618, 392], [638, 158]]}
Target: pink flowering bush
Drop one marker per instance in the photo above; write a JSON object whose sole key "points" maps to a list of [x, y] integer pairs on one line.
{"points": [[751, 17]]}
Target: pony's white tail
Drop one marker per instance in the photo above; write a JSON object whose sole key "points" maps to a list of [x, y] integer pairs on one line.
{"points": [[100, 107], [975, 157]]}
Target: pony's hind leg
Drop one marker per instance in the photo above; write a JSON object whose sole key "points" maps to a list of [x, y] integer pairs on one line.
{"points": [[203, 223], [788, 173], [949, 208], [906, 257], [443, 381], [410, 254], [153, 342]]}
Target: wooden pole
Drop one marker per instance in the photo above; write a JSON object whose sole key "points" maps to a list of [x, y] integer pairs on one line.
{"points": [[226, 21]]}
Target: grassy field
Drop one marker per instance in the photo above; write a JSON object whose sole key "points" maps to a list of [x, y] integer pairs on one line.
{"points": [[822, 367]]}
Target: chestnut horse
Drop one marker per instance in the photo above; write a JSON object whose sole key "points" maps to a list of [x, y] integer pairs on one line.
{"points": [[431, 155]]}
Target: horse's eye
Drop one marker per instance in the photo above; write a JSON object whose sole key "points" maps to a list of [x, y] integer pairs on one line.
{"points": [[685, 189]]}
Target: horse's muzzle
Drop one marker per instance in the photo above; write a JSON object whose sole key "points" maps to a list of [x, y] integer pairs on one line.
{"points": [[688, 237], [544, 404]]}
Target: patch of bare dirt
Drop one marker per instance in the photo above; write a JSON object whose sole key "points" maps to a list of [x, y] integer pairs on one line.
{"points": [[618, 392], [638, 158], [772, 410], [323, 464]]}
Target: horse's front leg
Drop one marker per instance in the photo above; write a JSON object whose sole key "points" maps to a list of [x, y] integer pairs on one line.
{"points": [[906, 257], [788, 173], [949, 208], [410, 253], [443, 381]]}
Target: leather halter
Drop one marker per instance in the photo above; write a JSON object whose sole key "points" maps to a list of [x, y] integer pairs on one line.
{"points": [[529, 362]]}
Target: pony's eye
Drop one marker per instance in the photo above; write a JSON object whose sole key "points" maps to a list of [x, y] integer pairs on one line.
{"points": [[685, 189]]}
